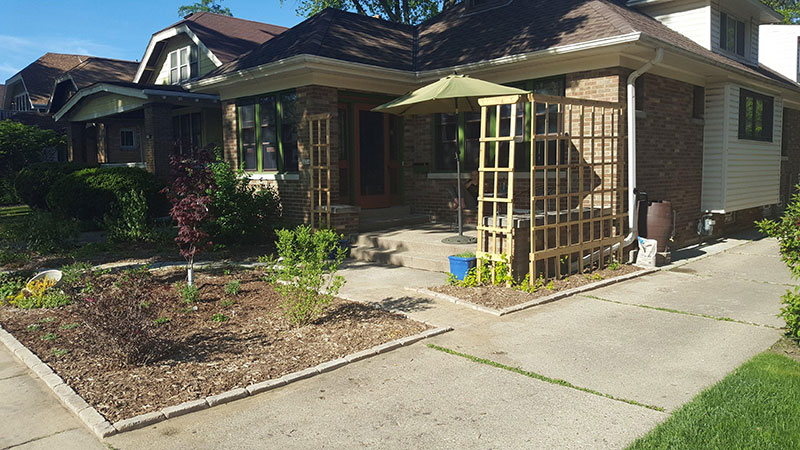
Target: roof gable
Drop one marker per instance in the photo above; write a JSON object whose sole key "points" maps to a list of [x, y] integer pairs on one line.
{"points": [[40, 75], [222, 38]]}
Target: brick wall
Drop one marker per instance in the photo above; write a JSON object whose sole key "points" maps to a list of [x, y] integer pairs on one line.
{"points": [[294, 194], [109, 141], [790, 166], [669, 150], [158, 143]]}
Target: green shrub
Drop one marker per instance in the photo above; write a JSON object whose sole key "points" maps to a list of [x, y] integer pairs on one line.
{"points": [[10, 285], [233, 287], [34, 182], [219, 317], [787, 230], [243, 213], [129, 222], [189, 293], [92, 194], [44, 232], [8, 196], [305, 277]]}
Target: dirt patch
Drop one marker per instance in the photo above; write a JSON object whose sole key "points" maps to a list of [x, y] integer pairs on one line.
{"points": [[787, 347], [254, 344], [500, 297]]}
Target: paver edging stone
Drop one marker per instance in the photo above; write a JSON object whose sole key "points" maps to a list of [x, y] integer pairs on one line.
{"points": [[538, 301], [103, 428]]}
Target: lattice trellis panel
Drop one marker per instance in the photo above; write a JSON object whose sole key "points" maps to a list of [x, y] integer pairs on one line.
{"points": [[576, 214], [577, 185], [496, 172], [319, 129]]}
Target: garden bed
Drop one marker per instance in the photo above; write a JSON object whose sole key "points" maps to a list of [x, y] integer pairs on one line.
{"points": [[222, 341], [501, 297]]}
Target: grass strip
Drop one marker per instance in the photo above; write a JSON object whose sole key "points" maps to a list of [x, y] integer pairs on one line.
{"points": [[541, 377], [755, 407], [686, 313]]}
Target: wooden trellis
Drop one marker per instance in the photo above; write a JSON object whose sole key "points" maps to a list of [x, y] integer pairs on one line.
{"points": [[576, 212], [319, 134], [497, 156]]}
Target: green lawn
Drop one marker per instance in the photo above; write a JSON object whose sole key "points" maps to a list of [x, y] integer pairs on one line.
{"points": [[755, 407], [12, 211]]}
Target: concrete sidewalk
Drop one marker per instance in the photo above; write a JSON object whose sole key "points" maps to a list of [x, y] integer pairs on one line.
{"points": [[656, 340]]}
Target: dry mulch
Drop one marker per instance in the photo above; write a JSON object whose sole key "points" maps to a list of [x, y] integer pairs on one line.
{"points": [[255, 344], [500, 297]]}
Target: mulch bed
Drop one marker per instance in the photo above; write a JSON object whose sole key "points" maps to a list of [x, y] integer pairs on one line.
{"points": [[255, 344], [500, 297], [787, 347]]}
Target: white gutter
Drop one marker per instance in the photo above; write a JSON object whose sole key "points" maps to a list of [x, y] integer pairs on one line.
{"points": [[632, 204]]}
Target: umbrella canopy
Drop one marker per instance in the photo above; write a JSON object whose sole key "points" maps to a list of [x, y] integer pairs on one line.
{"points": [[453, 93]]}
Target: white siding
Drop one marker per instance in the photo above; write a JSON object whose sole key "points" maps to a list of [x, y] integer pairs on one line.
{"points": [[713, 198], [738, 174], [692, 18], [751, 37], [753, 167], [779, 50]]}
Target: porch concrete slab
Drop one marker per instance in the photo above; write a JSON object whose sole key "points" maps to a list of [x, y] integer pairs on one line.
{"points": [[736, 265], [698, 251], [387, 287], [653, 357], [31, 413], [718, 296], [414, 397], [758, 247]]}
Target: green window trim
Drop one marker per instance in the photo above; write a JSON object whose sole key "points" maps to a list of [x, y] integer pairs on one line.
{"points": [[255, 101]]}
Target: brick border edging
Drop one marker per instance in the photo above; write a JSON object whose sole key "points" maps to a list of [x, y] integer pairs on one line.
{"points": [[102, 428], [538, 301]]}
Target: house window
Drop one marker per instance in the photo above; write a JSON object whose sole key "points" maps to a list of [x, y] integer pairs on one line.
{"points": [[268, 133], [698, 102], [187, 132], [461, 134], [22, 102], [755, 116], [731, 34], [182, 64], [127, 139]]}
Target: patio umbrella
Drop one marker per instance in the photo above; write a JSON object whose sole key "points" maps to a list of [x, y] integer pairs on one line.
{"points": [[451, 94]]}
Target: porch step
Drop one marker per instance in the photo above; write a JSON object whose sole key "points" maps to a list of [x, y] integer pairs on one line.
{"points": [[393, 217], [418, 246]]}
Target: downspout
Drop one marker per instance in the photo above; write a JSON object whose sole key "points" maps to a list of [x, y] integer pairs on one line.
{"points": [[633, 206]]}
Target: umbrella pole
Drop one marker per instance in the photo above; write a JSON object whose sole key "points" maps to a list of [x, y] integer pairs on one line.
{"points": [[458, 184]]}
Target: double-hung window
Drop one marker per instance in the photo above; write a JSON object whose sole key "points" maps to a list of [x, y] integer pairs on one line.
{"points": [[731, 34], [127, 139], [268, 133], [755, 116], [182, 64]]}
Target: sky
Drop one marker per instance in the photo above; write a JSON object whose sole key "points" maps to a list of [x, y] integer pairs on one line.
{"points": [[112, 28]]}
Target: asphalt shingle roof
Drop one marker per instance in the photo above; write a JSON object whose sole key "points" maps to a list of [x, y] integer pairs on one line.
{"points": [[460, 36], [40, 75], [96, 69]]}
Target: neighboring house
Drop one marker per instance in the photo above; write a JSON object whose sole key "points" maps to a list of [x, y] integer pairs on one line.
{"points": [[780, 49], [29, 90], [3, 113], [718, 134], [147, 115]]}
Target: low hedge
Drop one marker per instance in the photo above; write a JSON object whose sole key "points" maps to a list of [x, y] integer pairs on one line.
{"points": [[33, 183], [90, 194]]}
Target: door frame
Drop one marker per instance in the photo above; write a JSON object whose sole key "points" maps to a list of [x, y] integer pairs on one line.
{"points": [[386, 199]]}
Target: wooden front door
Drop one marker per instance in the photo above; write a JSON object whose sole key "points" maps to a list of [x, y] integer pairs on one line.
{"points": [[373, 162]]}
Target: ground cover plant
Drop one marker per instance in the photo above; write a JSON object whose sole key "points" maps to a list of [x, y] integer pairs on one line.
{"points": [[757, 406], [129, 343], [505, 291], [787, 230]]}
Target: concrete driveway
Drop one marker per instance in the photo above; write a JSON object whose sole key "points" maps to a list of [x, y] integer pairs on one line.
{"points": [[626, 351]]}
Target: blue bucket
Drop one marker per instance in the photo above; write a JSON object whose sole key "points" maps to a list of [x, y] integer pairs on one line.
{"points": [[459, 266]]}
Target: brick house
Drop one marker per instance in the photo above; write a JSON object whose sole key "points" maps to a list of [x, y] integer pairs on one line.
{"points": [[717, 134]]}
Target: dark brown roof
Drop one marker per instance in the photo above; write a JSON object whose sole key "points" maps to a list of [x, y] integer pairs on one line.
{"points": [[40, 75], [228, 37], [460, 36], [96, 69]]}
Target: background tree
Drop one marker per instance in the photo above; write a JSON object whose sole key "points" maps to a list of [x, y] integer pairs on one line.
{"points": [[789, 8], [20, 146], [401, 11], [212, 6]]}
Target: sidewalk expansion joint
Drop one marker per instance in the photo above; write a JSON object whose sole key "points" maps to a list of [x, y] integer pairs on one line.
{"points": [[541, 377], [685, 313]]}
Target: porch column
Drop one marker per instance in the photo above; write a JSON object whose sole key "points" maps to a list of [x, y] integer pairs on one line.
{"points": [[76, 142], [158, 143]]}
